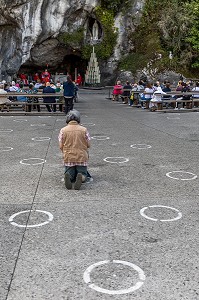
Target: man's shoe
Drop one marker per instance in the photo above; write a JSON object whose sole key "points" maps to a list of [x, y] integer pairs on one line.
{"points": [[68, 183], [78, 181]]}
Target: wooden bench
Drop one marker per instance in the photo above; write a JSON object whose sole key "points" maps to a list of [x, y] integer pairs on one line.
{"points": [[24, 105]]}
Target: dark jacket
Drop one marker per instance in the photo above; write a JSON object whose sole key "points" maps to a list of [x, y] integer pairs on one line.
{"points": [[69, 89], [49, 90], [128, 89]]}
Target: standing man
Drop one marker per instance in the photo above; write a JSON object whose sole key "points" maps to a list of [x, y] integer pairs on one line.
{"points": [[49, 90], [74, 141], [69, 93]]}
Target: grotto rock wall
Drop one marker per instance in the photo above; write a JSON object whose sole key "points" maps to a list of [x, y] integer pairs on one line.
{"points": [[28, 30]]}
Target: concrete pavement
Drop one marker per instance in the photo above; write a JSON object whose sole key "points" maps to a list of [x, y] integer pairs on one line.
{"points": [[131, 233]]}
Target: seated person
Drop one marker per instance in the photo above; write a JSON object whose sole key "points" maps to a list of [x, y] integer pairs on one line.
{"points": [[3, 99], [148, 92], [21, 90], [156, 98], [167, 89], [185, 88], [117, 90], [32, 90], [126, 92], [49, 90], [196, 96], [134, 97]]}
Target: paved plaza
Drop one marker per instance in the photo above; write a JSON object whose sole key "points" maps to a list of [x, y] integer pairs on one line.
{"points": [[131, 233]]}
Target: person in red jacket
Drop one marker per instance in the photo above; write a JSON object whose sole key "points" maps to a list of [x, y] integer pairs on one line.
{"points": [[23, 78], [45, 76], [117, 90], [79, 79], [36, 77]]}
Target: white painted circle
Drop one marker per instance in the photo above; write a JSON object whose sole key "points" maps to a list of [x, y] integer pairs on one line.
{"points": [[88, 271], [140, 146], [2, 149], [173, 114], [174, 118], [50, 218], [41, 139], [100, 137], [88, 124], [119, 159], [20, 120], [44, 117], [181, 173], [60, 120], [25, 161], [37, 125], [6, 130], [179, 216], [6, 116]]}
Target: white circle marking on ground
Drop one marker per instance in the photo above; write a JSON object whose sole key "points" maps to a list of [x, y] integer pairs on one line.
{"points": [[194, 176], [174, 118], [141, 146], [6, 116], [24, 161], [2, 149], [20, 120], [100, 137], [60, 120], [88, 124], [88, 271], [175, 114], [124, 159], [34, 125], [50, 218], [179, 216], [44, 117], [41, 139], [6, 130]]}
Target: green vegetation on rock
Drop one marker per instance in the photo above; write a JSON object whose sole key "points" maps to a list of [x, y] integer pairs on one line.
{"points": [[193, 32], [166, 25], [74, 39], [112, 5], [104, 49]]}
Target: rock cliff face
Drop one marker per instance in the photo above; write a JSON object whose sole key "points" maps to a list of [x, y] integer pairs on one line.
{"points": [[29, 31]]}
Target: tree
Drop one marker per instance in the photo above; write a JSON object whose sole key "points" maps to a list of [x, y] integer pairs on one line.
{"points": [[193, 33]]}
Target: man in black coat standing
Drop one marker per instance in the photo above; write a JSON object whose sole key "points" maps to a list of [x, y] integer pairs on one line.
{"points": [[49, 90]]}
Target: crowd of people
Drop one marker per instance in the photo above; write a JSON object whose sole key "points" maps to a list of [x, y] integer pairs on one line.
{"points": [[141, 93], [69, 90], [147, 94], [43, 77]]}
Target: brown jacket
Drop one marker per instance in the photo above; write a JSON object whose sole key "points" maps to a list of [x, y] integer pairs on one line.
{"points": [[75, 144]]}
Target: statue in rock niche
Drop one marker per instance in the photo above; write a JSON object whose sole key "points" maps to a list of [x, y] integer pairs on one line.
{"points": [[95, 31]]}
